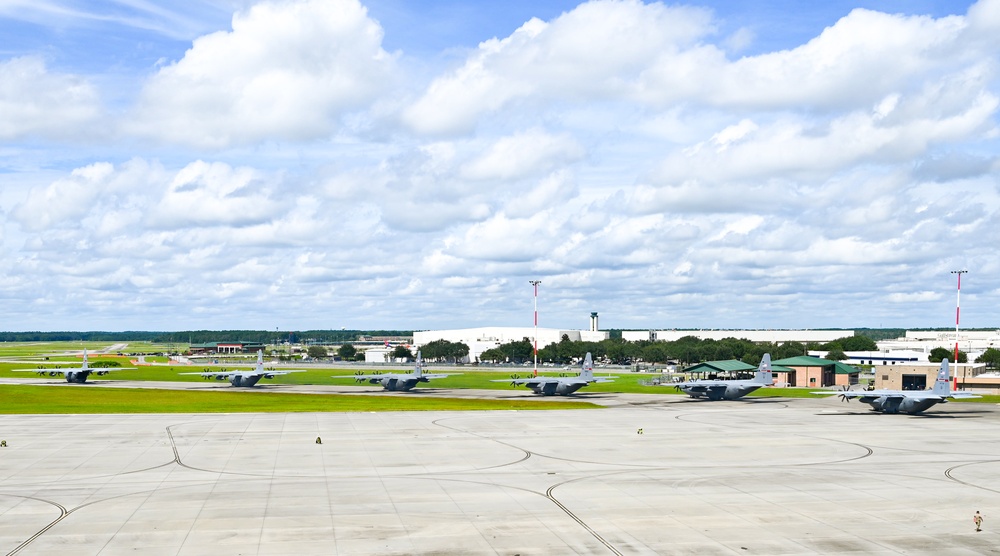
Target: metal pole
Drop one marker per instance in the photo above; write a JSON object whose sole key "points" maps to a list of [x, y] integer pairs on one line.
{"points": [[535, 284], [958, 307]]}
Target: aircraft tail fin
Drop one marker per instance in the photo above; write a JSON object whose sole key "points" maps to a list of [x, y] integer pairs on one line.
{"points": [[85, 365], [260, 360], [764, 375], [418, 367], [587, 371], [942, 386]]}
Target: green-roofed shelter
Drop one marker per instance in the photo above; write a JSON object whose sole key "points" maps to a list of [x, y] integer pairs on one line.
{"points": [[226, 347], [720, 369], [806, 371]]}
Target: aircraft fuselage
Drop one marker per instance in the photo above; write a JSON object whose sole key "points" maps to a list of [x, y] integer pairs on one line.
{"points": [[714, 390], [244, 380], [77, 377], [886, 404], [556, 388], [398, 384]]}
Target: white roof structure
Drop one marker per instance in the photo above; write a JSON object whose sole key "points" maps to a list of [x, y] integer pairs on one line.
{"points": [[489, 337], [972, 342], [774, 336], [377, 355]]}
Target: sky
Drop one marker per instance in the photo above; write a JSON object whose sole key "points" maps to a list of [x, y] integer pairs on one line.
{"points": [[412, 165]]}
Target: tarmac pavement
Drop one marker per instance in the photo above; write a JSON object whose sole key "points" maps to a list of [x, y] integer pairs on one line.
{"points": [[754, 476]]}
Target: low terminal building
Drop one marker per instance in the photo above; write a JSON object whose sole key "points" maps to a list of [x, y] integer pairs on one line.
{"points": [[878, 358], [217, 348], [757, 336], [485, 338], [921, 342]]}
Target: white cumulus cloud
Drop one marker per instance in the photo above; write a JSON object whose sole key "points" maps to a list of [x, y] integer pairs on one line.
{"points": [[287, 70], [37, 102]]}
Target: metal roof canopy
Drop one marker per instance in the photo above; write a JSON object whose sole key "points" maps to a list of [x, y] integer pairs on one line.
{"points": [[810, 361]]}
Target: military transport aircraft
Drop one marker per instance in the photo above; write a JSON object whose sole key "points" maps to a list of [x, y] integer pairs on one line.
{"points": [[729, 389], [906, 401], [561, 385], [246, 378], [76, 375], [397, 381]]}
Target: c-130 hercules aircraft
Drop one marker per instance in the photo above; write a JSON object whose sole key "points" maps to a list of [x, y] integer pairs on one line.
{"points": [[729, 389], [906, 401], [561, 385], [401, 382], [77, 375], [246, 378]]}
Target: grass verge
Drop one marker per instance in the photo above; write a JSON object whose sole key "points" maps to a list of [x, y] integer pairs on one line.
{"points": [[29, 399]]}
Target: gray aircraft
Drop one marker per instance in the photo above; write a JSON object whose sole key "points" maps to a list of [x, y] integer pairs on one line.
{"points": [[905, 401], [246, 378], [76, 375], [561, 385], [397, 381], [729, 389]]}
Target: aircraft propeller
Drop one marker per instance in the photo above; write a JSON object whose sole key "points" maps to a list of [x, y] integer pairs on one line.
{"points": [[513, 379], [842, 397]]}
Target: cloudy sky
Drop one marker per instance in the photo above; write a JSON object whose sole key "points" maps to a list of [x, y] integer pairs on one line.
{"points": [[413, 164]]}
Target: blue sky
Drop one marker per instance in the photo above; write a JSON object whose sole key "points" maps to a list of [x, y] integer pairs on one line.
{"points": [[395, 164]]}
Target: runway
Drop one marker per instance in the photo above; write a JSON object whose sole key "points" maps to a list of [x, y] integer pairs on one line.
{"points": [[758, 476]]}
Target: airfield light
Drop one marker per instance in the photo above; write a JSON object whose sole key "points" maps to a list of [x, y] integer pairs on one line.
{"points": [[958, 305], [535, 284]]}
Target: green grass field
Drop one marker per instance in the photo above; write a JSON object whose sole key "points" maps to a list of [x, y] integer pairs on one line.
{"points": [[33, 349], [30, 399], [462, 377]]}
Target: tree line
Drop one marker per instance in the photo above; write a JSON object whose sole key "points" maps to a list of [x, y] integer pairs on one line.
{"points": [[687, 350], [202, 336]]}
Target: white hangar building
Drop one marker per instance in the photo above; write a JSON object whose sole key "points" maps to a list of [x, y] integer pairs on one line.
{"points": [[489, 337], [773, 336]]}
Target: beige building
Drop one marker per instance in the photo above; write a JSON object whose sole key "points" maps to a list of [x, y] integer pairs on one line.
{"points": [[812, 372], [921, 376]]}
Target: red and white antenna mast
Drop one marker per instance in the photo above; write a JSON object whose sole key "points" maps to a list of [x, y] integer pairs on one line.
{"points": [[958, 307], [535, 284]]}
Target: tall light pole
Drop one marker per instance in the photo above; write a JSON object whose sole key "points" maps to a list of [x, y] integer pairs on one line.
{"points": [[535, 284], [958, 307]]}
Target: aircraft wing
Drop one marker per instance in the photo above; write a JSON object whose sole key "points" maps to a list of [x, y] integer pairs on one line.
{"points": [[891, 394], [220, 374], [94, 370], [228, 374], [538, 380], [376, 376], [928, 395], [440, 375], [888, 394], [698, 387], [531, 381], [275, 373], [963, 396]]}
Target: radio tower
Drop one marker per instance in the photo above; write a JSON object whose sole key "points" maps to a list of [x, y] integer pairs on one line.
{"points": [[535, 284], [958, 305]]}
